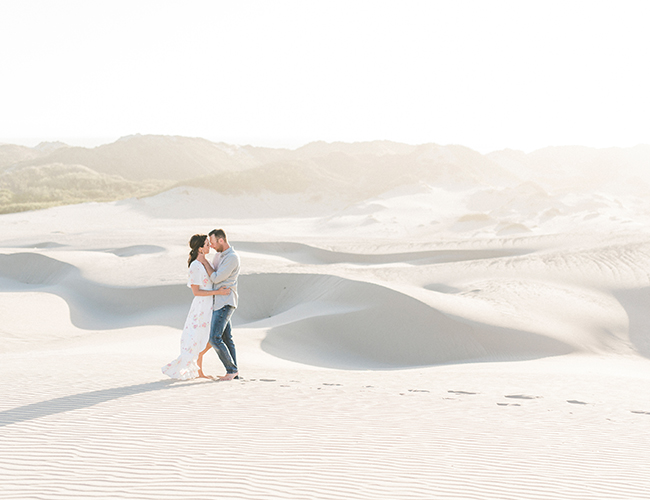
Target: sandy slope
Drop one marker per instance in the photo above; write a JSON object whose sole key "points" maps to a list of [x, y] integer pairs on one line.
{"points": [[383, 355]]}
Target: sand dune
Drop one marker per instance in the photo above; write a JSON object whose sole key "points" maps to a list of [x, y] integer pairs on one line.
{"points": [[392, 330], [34, 269], [489, 342], [93, 305], [306, 254], [635, 302], [136, 250]]}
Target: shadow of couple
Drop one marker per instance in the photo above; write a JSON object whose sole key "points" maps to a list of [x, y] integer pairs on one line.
{"points": [[84, 400]]}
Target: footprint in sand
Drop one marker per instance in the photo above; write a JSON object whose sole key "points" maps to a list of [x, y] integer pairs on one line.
{"points": [[522, 396], [418, 390], [638, 412], [508, 404], [332, 384], [463, 392], [576, 402]]}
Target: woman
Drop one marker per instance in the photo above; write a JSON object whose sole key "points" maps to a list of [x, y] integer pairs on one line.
{"points": [[196, 332]]}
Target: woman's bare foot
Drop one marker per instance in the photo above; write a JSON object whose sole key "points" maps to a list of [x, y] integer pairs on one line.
{"points": [[229, 376], [203, 375]]}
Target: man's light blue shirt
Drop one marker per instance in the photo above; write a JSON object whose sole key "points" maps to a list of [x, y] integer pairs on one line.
{"points": [[226, 275]]}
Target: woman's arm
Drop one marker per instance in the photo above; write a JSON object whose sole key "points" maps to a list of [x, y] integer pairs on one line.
{"points": [[209, 269], [206, 293]]}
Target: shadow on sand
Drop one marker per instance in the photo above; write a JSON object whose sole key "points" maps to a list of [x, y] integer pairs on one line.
{"points": [[635, 302], [79, 401]]}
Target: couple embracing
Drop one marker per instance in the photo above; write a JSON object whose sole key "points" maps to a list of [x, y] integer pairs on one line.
{"points": [[214, 285]]}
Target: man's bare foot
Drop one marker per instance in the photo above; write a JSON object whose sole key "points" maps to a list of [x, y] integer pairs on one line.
{"points": [[229, 376]]}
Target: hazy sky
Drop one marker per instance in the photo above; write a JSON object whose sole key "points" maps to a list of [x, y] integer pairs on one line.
{"points": [[485, 74]]}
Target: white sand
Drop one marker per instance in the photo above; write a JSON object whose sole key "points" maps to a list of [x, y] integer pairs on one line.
{"points": [[423, 344]]}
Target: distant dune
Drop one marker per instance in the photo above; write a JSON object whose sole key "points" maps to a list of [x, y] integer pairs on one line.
{"points": [[135, 166], [620, 170]]}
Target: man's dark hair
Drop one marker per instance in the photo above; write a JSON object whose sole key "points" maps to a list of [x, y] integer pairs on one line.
{"points": [[218, 233]]}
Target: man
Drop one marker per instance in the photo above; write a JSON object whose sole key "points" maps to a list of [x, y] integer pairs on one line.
{"points": [[223, 272]]}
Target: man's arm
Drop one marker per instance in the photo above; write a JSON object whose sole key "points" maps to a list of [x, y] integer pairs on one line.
{"points": [[227, 267]]}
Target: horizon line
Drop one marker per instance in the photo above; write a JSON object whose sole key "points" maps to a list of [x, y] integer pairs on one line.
{"points": [[95, 142]]}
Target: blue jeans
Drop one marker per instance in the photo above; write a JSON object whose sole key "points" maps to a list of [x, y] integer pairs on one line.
{"points": [[221, 338]]}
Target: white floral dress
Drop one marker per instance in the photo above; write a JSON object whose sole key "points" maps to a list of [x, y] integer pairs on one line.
{"points": [[196, 331]]}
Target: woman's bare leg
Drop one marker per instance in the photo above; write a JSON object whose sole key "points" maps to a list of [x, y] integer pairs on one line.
{"points": [[199, 361]]}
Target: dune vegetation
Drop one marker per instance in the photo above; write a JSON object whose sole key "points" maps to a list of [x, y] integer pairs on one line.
{"points": [[43, 186]]}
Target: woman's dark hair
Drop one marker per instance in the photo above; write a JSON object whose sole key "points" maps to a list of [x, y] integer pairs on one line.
{"points": [[197, 241]]}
